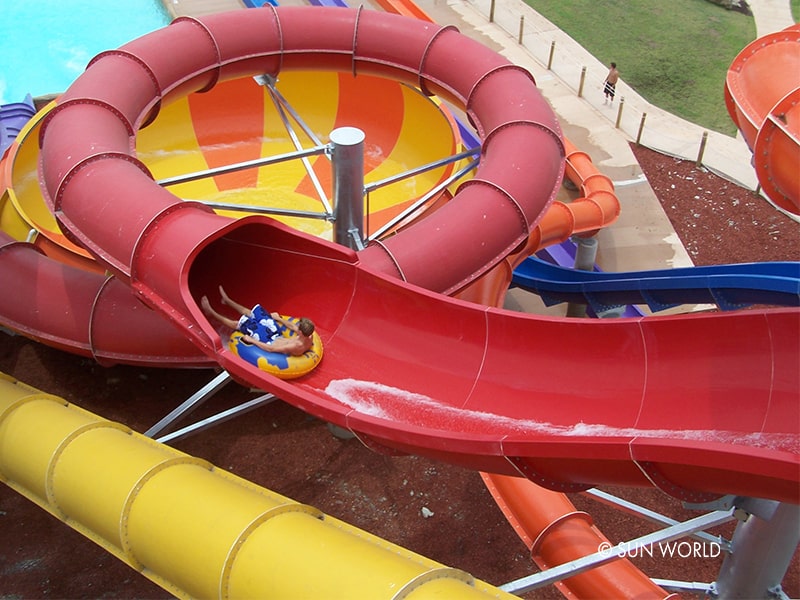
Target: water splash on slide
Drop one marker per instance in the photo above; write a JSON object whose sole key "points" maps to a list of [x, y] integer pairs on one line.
{"points": [[391, 403]]}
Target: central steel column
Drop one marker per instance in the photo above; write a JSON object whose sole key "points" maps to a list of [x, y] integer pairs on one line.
{"points": [[348, 186], [761, 554], [347, 158], [585, 256]]}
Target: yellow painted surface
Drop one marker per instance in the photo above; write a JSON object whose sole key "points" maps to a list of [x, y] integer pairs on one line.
{"points": [[169, 147], [193, 529]]}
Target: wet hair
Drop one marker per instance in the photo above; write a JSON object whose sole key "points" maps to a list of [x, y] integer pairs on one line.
{"points": [[614, 65], [306, 326]]}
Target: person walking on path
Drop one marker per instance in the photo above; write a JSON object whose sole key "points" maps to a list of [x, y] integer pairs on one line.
{"points": [[610, 84]]}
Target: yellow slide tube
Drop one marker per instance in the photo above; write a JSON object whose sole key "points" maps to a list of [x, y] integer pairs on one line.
{"points": [[196, 530]]}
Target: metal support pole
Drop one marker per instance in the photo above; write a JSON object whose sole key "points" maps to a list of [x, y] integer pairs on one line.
{"points": [[248, 164], [491, 12], [195, 401], [619, 112], [348, 186], [348, 198], [641, 129], [521, 28], [583, 81], [585, 256], [552, 52], [607, 553], [217, 419], [702, 150], [762, 552]]}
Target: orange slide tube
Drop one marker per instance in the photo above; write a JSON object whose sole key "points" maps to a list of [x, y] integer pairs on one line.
{"points": [[596, 208], [763, 99], [556, 533]]}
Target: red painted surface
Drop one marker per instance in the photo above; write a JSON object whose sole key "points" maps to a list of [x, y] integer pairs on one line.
{"points": [[700, 405]]}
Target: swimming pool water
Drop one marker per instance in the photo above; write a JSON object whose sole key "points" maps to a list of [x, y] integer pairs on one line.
{"points": [[46, 44]]}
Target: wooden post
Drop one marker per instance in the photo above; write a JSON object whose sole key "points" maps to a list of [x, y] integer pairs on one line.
{"points": [[702, 149], [619, 112], [641, 129], [491, 12], [583, 81], [521, 28], [552, 51]]}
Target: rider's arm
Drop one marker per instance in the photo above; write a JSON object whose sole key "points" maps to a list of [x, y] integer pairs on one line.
{"points": [[285, 322], [281, 345]]}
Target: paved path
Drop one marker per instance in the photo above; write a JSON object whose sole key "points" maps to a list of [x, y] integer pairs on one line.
{"points": [[198, 8], [728, 156], [771, 15]]}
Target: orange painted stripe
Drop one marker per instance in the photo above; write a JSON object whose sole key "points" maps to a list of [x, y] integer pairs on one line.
{"points": [[375, 106], [229, 133], [324, 172]]}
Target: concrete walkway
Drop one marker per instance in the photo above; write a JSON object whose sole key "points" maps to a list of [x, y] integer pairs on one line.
{"points": [[643, 237], [662, 131], [198, 8], [771, 15]]}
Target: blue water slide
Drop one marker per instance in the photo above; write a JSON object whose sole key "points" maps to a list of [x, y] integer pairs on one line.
{"points": [[728, 286], [340, 3], [13, 118], [259, 3]]}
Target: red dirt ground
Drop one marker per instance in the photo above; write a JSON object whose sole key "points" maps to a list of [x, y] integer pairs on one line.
{"points": [[279, 447]]}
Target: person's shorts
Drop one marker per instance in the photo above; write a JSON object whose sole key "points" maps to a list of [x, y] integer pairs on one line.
{"points": [[610, 89], [260, 326]]}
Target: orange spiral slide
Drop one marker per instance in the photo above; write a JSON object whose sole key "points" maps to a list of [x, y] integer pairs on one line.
{"points": [[764, 102]]}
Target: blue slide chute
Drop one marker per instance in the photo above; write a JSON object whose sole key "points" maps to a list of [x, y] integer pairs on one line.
{"points": [[728, 286]]}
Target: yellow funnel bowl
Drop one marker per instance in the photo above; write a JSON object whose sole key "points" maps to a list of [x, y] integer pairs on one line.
{"points": [[238, 121]]}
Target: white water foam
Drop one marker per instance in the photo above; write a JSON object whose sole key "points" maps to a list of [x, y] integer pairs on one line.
{"points": [[392, 404]]}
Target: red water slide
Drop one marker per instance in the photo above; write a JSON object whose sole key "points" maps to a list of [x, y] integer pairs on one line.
{"points": [[546, 521], [596, 208], [762, 93], [698, 405], [85, 313]]}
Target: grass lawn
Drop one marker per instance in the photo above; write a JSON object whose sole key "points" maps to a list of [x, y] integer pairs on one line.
{"points": [[675, 54]]}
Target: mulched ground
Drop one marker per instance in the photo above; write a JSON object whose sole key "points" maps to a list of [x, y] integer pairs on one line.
{"points": [[279, 447], [717, 221]]}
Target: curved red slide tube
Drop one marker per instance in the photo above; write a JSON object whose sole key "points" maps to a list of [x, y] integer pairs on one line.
{"points": [[87, 136], [545, 520], [86, 313], [406, 368], [762, 94]]}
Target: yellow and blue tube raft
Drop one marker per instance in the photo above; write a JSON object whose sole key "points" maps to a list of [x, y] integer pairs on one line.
{"points": [[281, 365]]}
